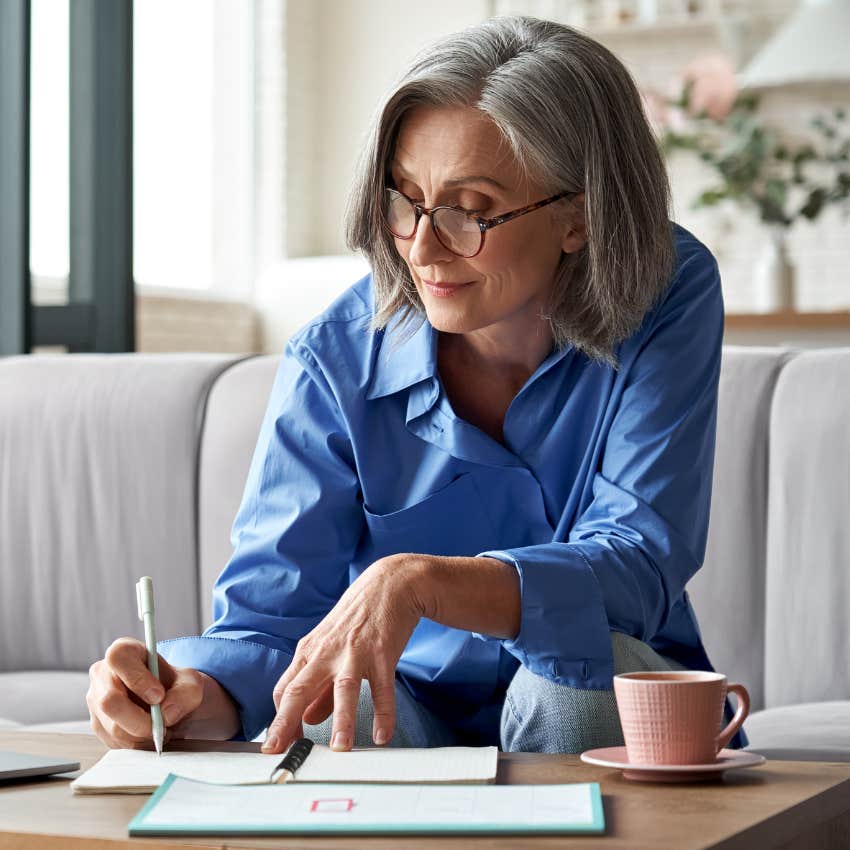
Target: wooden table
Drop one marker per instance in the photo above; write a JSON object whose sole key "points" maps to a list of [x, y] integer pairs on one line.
{"points": [[783, 804]]}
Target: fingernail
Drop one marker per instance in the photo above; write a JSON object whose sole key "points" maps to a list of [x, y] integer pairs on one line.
{"points": [[380, 737], [271, 743], [153, 695], [340, 741], [170, 712]]}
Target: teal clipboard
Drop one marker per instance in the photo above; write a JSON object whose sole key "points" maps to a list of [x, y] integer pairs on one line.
{"points": [[188, 807]]}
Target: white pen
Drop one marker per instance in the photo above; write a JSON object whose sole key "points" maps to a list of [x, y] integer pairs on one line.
{"points": [[144, 599]]}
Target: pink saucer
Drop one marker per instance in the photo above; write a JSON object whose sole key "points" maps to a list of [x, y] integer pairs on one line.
{"points": [[726, 760]]}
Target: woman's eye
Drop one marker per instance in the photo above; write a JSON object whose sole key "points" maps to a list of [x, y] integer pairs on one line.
{"points": [[476, 205]]}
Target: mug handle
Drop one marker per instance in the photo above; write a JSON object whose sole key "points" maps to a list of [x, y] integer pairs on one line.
{"points": [[740, 715]]}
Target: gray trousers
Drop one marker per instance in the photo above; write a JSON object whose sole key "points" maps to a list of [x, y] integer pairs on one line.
{"points": [[538, 716]]}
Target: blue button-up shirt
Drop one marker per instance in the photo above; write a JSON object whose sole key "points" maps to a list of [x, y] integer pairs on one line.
{"points": [[599, 496]]}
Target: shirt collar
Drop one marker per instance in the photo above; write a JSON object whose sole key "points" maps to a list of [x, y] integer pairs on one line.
{"points": [[407, 355]]}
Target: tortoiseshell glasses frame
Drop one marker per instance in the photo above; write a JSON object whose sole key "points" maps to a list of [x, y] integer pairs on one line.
{"points": [[484, 224]]}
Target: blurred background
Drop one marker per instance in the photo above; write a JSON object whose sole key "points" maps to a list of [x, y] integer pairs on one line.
{"points": [[173, 173]]}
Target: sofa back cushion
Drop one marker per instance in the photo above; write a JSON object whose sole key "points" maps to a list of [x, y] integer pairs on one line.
{"points": [[807, 656], [235, 411], [728, 592], [98, 465]]}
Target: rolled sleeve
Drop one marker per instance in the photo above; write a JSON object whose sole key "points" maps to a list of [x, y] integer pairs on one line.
{"points": [[563, 637]]}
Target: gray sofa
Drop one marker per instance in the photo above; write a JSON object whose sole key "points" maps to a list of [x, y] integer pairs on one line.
{"points": [[117, 466]]}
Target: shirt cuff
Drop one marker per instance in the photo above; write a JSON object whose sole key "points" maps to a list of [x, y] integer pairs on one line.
{"points": [[564, 633], [247, 671]]}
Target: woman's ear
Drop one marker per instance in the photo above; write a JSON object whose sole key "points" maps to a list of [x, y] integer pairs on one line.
{"points": [[575, 230]]}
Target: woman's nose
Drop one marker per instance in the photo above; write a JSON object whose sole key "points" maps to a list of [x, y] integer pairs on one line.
{"points": [[426, 248]]}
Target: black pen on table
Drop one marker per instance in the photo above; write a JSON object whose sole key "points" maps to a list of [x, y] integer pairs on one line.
{"points": [[294, 758]]}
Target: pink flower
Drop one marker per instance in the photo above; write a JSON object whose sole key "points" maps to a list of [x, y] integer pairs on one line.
{"points": [[714, 86]]}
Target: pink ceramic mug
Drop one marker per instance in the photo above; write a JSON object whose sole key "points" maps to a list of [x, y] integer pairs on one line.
{"points": [[674, 716]]}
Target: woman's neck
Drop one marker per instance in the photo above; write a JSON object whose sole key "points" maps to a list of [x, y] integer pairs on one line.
{"points": [[487, 353], [481, 381]]}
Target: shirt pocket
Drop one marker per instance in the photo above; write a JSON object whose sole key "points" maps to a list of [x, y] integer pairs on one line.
{"points": [[452, 521]]}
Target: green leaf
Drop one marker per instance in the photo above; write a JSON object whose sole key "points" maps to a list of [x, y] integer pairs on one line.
{"points": [[746, 102], [710, 197], [684, 100], [777, 192], [815, 203]]}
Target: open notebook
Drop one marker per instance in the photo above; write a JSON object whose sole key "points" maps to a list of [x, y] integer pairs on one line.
{"points": [[142, 771]]}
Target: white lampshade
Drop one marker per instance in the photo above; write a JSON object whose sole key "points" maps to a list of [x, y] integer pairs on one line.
{"points": [[811, 47]]}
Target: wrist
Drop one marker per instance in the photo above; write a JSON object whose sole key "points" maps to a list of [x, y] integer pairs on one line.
{"points": [[415, 574], [218, 714]]}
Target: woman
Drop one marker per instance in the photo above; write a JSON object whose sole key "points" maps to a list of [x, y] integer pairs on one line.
{"points": [[483, 478]]}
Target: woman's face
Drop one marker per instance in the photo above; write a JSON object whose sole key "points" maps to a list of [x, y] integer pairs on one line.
{"points": [[455, 156]]}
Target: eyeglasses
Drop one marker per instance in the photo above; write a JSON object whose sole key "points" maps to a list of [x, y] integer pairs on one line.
{"points": [[459, 231]]}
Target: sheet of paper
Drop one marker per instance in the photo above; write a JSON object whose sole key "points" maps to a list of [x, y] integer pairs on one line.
{"points": [[183, 806], [141, 771], [437, 764]]}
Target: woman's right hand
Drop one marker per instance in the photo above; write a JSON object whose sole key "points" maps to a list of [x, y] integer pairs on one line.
{"points": [[122, 689]]}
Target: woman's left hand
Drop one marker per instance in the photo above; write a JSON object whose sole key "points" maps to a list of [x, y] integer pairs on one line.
{"points": [[362, 637]]}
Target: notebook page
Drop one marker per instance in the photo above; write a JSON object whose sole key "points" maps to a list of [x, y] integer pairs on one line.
{"points": [[141, 771], [381, 764]]}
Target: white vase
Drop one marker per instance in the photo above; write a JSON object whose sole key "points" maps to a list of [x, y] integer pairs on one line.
{"points": [[773, 282]]}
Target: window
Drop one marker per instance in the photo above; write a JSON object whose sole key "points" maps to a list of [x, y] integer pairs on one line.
{"points": [[193, 137], [49, 82], [193, 145]]}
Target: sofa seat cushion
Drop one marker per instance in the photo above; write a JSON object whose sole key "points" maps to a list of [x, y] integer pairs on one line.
{"points": [[43, 696], [68, 727], [811, 731]]}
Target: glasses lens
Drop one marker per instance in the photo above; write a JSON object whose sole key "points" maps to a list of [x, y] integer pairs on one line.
{"points": [[401, 217], [457, 231]]}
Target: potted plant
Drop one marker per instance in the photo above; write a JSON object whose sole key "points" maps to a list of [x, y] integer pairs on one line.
{"points": [[755, 164]]}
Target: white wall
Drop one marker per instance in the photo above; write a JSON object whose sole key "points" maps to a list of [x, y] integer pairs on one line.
{"points": [[346, 56]]}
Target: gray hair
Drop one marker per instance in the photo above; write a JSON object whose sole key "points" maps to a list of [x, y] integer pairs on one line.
{"points": [[572, 116]]}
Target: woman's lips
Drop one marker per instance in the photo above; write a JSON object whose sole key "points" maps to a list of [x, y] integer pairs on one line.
{"points": [[444, 289]]}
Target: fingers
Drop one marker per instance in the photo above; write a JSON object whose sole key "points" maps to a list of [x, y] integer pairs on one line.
{"points": [[115, 738], [346, 695], [183, 697], [128, 660], [383, 703], [299, 662], [297, 701], [291, 704], [115, 718], [121, 688], [320, 709]]}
